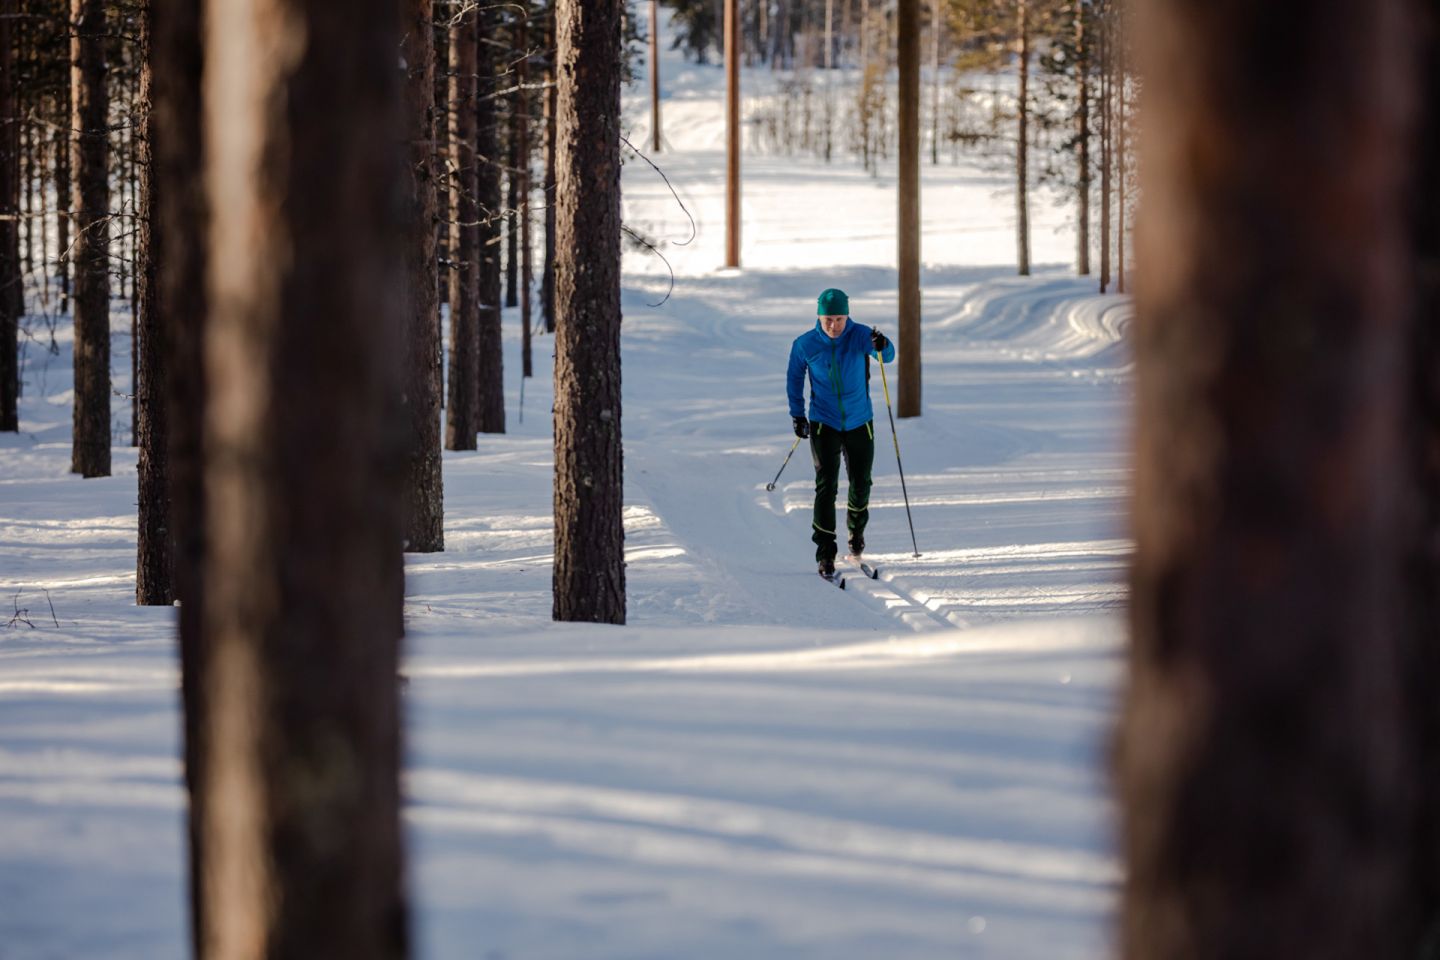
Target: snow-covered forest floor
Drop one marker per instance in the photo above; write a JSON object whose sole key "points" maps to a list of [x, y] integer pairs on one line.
{"points": [[757, 765]]}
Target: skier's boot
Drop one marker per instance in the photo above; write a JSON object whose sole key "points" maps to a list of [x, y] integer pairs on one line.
{"points": [[857, 547], [827, 569]]}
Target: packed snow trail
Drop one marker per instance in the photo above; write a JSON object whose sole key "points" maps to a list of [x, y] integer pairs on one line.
{"points": [[757, 765]]}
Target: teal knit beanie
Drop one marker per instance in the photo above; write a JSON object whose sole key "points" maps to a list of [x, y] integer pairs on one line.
{"points": [[832, 303]]}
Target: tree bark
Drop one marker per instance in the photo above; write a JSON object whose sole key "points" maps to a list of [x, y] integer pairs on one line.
{"points": [[1107, 125], [1022, 143], [732, 134], [1261, 749], [90, 445], [463, 397], [154, 563], [305, 451], [654, 76], [521, 173], [10, 280], [179, 250], [490, 379], [424, 512], [1082, 140], [547, 279], [1422, 664], [589, 577], [908, 49]]}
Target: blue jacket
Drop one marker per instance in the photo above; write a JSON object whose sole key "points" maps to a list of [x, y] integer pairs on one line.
{"points": [[839, 389]]}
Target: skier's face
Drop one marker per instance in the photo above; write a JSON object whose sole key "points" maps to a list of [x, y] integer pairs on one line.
{"points": [[833, 324]]}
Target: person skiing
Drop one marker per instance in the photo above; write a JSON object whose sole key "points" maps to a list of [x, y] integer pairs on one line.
{"points": [[841, 421]]}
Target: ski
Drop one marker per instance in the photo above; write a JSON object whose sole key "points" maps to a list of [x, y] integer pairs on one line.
{"points": [[872, 572], [837, 578]]}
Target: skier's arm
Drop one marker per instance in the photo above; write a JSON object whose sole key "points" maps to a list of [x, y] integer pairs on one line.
{"points": [[795, 382]]}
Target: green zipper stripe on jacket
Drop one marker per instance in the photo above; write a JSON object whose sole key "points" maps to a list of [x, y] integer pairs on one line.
{"points": [[835, 382]]}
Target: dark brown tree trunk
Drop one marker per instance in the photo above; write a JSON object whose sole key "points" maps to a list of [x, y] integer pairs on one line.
{"points": [[908, 49], [490, 378], [1261, 750], [154, 565], [424, 513], [1107, 87], [1082, 139], [732, 134], [305, 450], [522, 177], [463, 396], [179, 250], [9, 209], [589, 577], [64, 200], [90, 446], [1022, 143], [1423, 661], [547, 279], [512, 202]]}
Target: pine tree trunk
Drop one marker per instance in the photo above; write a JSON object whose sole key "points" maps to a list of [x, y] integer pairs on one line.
{"points": [[547, 279], [908, 48], [589, 576], [424, 512], [1106, 143], [463, 396], [1265, 807], [490, 378], [512, 205], [9, 208], [90, 446], [1082, 140], [521, 173], [305, 450], [1423, 660], [154, 566], [1022, 145], [64, 209], [180, 255]]}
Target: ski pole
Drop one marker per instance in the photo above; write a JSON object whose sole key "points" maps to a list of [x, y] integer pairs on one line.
{"points": [[771, 484], [896, 439]]}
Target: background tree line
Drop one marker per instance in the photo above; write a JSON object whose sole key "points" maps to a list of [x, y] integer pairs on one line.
{"points": [[1045, 88]]}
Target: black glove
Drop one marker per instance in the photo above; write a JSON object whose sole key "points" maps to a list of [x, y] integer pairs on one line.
{"points": [[802, 427], [878, 340]]}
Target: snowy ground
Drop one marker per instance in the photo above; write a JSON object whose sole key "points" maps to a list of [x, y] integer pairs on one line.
{"points": [[756, 766]]}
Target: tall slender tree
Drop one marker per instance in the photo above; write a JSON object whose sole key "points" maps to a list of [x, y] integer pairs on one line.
{"points": [[1022, 139], [908, 48], [1266, 811], [154, 562], [1081, 13], [589, 576], [90, 446], [490, 380], [10, 279], [521, 174], [547, 278], [424, 486], [464, 393], [179, 234], [305, 450]]}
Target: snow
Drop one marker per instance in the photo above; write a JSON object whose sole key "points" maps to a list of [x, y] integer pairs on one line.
{"points": [[757, 765]]}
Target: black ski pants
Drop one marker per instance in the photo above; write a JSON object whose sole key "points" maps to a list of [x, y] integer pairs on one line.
{"points": [[828, 447]]}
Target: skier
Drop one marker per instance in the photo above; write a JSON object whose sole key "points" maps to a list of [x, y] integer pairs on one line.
{"points": [[841, 421]]}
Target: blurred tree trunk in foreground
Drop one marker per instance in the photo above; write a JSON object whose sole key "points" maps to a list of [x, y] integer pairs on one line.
{"points": [[1265, 768], [304, 454]]}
